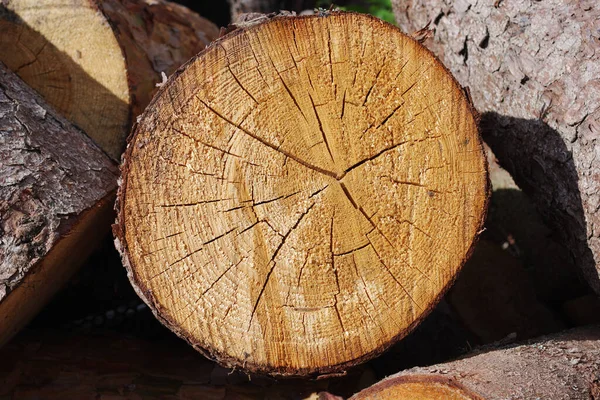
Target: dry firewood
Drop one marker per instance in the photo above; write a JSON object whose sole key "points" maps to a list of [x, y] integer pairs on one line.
{"points": [[97, 62], [56, 195], [533, 69], [301, 195], [564, 366]]}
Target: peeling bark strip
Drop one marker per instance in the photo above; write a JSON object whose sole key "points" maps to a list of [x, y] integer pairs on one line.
{"points": [[563, 366], [300, 195], [56, 190], [97, 62], [533, 68]]}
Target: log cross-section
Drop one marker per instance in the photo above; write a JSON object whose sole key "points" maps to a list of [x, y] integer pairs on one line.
{"points": [[97, 62], [302, 193]]}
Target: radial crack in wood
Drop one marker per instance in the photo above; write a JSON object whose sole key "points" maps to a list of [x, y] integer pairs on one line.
{"points": [[302, 230], [98, 62]]}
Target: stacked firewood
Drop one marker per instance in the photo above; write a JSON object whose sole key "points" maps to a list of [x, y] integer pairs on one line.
{"points": [[313, 202]]}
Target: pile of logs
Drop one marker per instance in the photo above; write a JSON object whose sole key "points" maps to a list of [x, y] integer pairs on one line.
{"points": [[304, 197]]}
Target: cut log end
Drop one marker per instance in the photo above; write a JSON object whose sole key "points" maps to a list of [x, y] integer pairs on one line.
{"points": [[99, 70], [302, 193], [78, 69], [417, 387]]}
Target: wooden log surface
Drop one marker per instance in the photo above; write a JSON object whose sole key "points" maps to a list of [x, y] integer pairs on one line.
{"points": [[563, 366], [301, 194], [533, 70], [97, 62], [56, 194]]}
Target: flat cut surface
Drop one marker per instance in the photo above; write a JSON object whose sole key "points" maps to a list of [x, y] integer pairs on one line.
{"points": [[416, 387], [78, 67], [302, 194]]}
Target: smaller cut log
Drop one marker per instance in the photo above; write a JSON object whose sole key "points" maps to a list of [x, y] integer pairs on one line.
{"points": [[98, 62], [56, 193], [564, 366]]}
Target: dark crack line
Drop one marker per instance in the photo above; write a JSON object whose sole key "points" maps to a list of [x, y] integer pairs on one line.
{"points": [[205, 144], [222, 275], [264, 142], [198, 249], [249, 227], [352, 251], [169, 236], [331, 63], [386, 119], [240, 84], [318, 191], [35, 58], [336, 276], [368, 297], [220, 236], [273, 257], [375, 227], [302, 269], [196, 203], [374, 81], [282, 197], [289, 92], [392, 275], [343, 105], [321, 128], [193, 171], [385, 150]]}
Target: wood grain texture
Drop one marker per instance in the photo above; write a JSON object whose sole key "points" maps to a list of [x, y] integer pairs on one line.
{"points": [[301, 194], [97, 62], [416, 387], [56, 190], [533, 68], [563, 366]]}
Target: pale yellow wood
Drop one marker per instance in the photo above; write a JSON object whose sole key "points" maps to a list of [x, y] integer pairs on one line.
{"points": [[98, 62], [417, 387], [67, 51], [302, 194]]}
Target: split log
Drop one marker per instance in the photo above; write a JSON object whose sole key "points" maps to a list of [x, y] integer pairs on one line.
{"points": [[52, 365], [556, 367], [56, 195], [301, 194], [533, 70], [97, 62]]}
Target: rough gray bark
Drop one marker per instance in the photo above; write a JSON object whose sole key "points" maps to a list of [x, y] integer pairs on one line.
{"points": [[53, 180], [239, 7], [533, 69], [565, 366]]}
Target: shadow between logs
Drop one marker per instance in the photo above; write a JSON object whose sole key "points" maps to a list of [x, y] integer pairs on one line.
{"points": [[541, 164]]}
